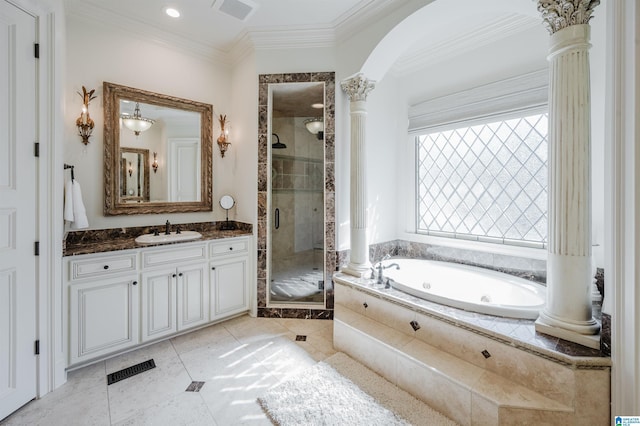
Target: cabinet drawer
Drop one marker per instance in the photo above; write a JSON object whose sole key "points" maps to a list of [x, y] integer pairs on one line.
{"points": [[173, 255], [229, 247], [102, 266]]}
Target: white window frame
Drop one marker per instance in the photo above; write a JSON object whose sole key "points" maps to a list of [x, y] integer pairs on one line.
{"points": [[528, 92]]}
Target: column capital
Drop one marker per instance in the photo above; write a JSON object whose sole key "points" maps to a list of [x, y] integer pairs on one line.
{"points": [[357, 87], [559, 14]]}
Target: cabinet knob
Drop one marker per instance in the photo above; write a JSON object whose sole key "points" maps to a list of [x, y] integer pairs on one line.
{"points": [[106, 266], [230, 248], [174, 275], [180, 274], [213, 268], [135, 283]]}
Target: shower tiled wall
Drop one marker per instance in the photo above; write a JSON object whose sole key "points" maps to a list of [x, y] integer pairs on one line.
{"points": [[303, 174]]}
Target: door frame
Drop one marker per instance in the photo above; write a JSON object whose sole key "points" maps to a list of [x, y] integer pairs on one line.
{"points": [[50, 303]]}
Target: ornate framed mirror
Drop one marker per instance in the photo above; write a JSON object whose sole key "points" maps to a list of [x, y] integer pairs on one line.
{"points": [[178, 131]]}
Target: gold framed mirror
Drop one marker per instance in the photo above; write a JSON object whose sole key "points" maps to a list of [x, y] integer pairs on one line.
{"points": [[180, 134]]}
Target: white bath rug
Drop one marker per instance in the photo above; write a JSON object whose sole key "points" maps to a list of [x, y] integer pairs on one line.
{"points": [[325, 395]]}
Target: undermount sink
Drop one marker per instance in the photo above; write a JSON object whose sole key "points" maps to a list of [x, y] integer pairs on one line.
{"points": [[170, 238]]}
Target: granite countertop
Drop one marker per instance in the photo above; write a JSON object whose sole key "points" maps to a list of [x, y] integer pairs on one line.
{"points": [[106, 240]]}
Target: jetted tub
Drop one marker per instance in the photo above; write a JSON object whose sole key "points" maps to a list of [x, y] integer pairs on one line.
{"points": [[467, 287]]}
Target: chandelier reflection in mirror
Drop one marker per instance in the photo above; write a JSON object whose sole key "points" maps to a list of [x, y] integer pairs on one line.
{"points": [[315, 126], [136, 122]]}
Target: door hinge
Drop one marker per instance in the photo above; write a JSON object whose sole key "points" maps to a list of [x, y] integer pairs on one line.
{"points": [[36, 50], [36, 149], [37, 347], [36, 248]]}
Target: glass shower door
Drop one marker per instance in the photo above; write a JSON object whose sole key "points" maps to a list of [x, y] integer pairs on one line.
{"points": [[297, 230]]}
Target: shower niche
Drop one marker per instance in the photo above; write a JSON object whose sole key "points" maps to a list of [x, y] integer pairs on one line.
{"points": [[297, 128]]}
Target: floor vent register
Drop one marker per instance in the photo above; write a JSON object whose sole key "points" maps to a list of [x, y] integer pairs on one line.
{"points": [[130, 371]]}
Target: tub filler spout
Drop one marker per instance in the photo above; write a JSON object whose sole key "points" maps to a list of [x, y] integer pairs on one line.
{"points": [[379, 267]]}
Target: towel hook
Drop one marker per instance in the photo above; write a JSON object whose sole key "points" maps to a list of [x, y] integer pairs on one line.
{"points": [[67, 166]]}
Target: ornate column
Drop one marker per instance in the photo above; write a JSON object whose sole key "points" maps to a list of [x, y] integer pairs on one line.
{"points": [[568, 313], [357, 88]]}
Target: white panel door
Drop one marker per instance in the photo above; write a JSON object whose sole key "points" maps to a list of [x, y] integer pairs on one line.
{"points": [[184, 171], [17, 208]]}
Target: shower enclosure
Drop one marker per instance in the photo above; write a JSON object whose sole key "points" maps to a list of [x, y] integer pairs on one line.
{"points": [[296, 202]]}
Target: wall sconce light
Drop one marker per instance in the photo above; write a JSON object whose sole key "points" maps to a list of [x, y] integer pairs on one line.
{"points": [[84, 122], [130, 169], [315, 126], [223, 139], [136, 122], [154, 165]]}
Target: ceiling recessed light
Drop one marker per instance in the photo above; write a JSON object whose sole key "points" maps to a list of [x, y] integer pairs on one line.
{"points": [[174, 13], [317, 106]]}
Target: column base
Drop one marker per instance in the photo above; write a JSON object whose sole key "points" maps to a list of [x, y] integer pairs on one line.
{"points": [[357, 270], [585, 333]]}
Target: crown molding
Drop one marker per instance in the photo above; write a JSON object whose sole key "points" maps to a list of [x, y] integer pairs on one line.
{"points": [[481, 35], [313, 36], [264, 38], [100, 16], [362, 15], [346, 25], [268, 38]]}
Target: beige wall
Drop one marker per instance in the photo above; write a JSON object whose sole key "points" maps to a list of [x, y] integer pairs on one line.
{"points": [[97, 53]]}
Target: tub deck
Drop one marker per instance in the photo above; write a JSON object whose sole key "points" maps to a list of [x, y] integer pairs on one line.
{"points": [[475, 368]]}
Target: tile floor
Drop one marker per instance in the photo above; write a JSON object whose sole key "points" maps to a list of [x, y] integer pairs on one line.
{"points": [[238, 360]]}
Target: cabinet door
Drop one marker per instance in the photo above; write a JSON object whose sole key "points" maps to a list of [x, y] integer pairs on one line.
{"points": [[229, 293], [104, 317], [158, 303], [193, 296]]}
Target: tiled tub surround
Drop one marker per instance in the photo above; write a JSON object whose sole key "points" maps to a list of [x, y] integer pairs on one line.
{"points": [[105, 240], [475, 368], [265, 181], [530, 269]]}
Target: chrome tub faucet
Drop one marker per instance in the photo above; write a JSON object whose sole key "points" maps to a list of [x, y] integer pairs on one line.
{"points": [[379, 267]]}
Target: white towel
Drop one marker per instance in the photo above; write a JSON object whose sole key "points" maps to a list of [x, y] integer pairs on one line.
{"points": [[74, 210]]}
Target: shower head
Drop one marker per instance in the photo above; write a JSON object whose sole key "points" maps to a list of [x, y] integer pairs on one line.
{"points": [[278, 144]]}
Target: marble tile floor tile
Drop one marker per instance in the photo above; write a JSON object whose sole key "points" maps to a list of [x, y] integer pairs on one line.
{"points": [[238, 360]]}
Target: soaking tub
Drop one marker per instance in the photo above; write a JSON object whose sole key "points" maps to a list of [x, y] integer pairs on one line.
{"points": [[467, 287]]}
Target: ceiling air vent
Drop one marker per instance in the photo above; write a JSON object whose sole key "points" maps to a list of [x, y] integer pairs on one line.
{"points": [[241, 10]]}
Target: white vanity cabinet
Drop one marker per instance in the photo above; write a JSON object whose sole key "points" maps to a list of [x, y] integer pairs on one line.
{"points": [[174, 298], [228, 277], [103, 305], [118, 300]]}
